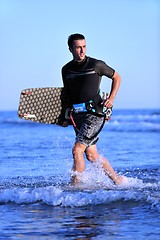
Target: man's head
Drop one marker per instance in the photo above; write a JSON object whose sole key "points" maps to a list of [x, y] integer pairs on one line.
{"points": [[77, 46], [73, 37]]}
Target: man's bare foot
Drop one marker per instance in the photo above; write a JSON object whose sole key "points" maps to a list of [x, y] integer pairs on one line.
{"points": [[75, 178], [120, 180]]}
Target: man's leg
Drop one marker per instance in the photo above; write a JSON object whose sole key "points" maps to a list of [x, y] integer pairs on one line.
{"points": [[79, 162], [92, 155]]}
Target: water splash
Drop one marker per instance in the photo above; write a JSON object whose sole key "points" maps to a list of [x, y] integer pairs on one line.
{"points": [[95, 189]]}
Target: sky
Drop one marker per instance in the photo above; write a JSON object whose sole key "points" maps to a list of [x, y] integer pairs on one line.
{"points": [[123, 33]]}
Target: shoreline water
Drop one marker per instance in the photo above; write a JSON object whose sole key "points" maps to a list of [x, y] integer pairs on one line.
{"points": [[37, 202]]}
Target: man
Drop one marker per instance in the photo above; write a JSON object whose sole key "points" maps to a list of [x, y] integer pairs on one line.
{"points": [[81, 79]]}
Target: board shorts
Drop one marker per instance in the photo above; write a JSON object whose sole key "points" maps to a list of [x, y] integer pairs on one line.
{"points": [[87, 128]]}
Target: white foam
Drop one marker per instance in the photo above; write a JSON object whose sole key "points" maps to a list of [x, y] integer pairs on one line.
{"points": [[74, 198], [95, 188]]}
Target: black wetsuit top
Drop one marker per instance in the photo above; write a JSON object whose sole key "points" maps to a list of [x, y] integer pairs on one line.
{"points": [[82, 79]]}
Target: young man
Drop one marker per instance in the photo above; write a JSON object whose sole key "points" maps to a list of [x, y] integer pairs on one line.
{"points": [[81, 79]]}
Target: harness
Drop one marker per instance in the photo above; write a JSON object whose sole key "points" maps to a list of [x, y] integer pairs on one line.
{"points": [[95, 107], [89, 107]]}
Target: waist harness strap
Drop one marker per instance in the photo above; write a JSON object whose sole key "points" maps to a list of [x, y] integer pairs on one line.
{"points": [[90, 107]]}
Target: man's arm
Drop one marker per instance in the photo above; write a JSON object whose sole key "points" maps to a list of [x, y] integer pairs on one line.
{"points": [[116, 80], [65, 100]]}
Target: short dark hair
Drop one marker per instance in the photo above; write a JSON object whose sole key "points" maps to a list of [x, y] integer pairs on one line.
{"points": [[72, 37]]}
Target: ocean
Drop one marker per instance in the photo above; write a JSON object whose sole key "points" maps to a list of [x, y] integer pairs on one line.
{"points": [[38, 202]]}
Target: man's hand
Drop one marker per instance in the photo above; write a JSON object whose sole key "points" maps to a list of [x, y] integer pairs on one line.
{"points": [[116, 79], [64, 124], [109, 103]]}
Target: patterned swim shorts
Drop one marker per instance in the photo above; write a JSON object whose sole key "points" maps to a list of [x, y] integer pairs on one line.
{"points": [[88, 126]]}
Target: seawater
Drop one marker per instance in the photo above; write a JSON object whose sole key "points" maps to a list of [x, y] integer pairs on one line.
{"points": [[38, 202]]}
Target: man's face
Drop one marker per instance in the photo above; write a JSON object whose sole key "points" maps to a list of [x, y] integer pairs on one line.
{"points": [[78, 50]]}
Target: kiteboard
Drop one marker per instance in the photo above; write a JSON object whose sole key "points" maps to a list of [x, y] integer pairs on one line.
{"points": [[43, 105]]}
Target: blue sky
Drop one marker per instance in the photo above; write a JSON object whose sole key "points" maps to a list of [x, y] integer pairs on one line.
{"points": [[125, 34]]}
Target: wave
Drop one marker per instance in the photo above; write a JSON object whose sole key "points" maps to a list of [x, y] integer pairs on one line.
{"points": [[65, 195], [135, 121], [123, 121], [55, 196], [95, 189], [133, 126]]}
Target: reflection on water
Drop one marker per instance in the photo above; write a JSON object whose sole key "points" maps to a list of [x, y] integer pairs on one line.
{"points": [[115, 220]]}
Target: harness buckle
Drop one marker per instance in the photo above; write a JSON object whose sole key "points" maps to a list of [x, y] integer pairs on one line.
{"points": [[107, 112]]}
